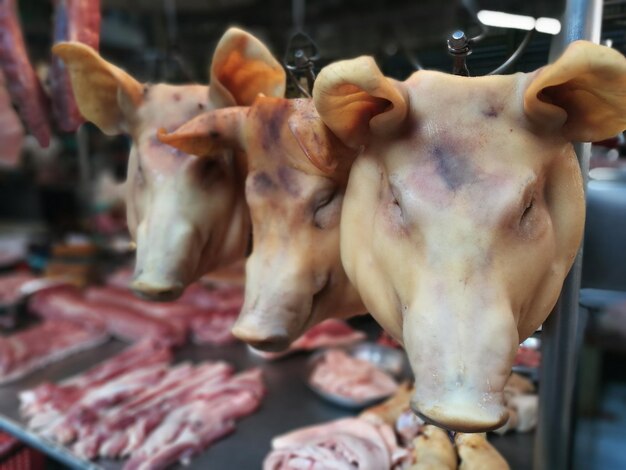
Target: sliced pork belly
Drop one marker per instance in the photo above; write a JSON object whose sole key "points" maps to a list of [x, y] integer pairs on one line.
{"points": [[343, 444], [50, 341]]}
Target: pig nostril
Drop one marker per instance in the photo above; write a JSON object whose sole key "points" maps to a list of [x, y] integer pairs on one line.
{"points": [[271, 343], [155, 292], [462, 423]]}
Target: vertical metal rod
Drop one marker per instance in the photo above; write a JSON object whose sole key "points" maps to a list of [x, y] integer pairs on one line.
{"points": [[561, 332]]}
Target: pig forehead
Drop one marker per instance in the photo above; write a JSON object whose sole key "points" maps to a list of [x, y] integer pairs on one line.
{"points": [[457, 98], [170, 106]]}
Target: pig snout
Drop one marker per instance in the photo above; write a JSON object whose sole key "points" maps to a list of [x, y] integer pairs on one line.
{"points": [[461, 364], [166, 261], [279, 299], [269, 325]]}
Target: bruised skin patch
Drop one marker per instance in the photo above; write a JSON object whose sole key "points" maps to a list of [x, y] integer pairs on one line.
{"points": [[287, 179], [273, 118], [263, 183], [454, 170]]}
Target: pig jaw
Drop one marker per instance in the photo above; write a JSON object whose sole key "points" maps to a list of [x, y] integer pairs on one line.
{"points": [[460, 366]]}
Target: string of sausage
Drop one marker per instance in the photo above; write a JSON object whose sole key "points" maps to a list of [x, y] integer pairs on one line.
{"points": [[74, 20], [22, 82]]}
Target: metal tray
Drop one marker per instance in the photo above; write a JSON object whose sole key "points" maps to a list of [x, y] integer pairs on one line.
{"points": [[289, 404]]}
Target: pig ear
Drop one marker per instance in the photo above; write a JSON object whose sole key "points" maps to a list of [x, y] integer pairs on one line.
{"points": [[315, 140], [356, 100], [206, 135], [584, 91], [243, 67], [104, 93]]}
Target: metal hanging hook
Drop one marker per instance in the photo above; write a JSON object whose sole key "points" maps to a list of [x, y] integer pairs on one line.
{"points": [[301, 54], [459, 47]]}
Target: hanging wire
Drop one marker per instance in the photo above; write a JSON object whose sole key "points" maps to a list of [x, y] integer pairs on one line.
{"points": [[302, 52], [516, 55], [173, 50]]}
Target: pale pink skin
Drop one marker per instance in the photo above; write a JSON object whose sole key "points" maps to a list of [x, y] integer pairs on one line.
{"points": [[452, 266], [294, 276], [464, 211], [187, 214]]}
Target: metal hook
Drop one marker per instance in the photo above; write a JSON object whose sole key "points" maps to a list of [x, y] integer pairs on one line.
{"points": [[299, 60], [459, 48]]}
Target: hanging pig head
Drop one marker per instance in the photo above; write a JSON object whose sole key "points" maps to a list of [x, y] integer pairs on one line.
{"points": [[294, 189], [187, 214], [464, 210]]}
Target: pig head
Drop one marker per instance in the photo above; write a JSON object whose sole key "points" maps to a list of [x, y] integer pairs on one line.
{"points": [[186, 213], [297, 175], [464, 210]]}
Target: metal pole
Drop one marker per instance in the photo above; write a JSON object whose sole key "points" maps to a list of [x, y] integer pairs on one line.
{"points": [[561, 335]]}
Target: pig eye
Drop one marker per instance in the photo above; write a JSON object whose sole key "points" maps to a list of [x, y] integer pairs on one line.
{"points": [[395, 200], [324, 211], [527, 210], [208, 170]]}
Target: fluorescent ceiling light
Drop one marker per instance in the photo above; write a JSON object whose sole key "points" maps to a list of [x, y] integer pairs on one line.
{"points": [[548, 25], [500, 19]]}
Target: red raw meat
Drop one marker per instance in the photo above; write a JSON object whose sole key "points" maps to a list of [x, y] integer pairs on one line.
{"points": [[42, 344], [22, 82], [11, 130], [123, 322], [337, 373], [8, 444], [10, 286], [214, 327], [329, 333], [58, 397], [74, 20], [527, 357]]}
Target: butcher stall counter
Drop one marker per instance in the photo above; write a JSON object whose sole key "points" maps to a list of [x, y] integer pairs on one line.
{"points": [[289, 404]]}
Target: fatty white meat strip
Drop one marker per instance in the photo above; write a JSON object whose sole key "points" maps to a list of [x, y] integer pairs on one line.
{"points": [[42, 344], [88, 409], [124, 428], [58, 397], [205, 418]]}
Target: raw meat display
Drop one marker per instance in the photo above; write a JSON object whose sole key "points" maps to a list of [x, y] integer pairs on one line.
{"points": [[49, 397], [39, 345], [338, 373], [329, 333], [342, 444], [214, 327], [289, 286], [122, 321], [11, 130], [419, 210], [10, 285], [150, 412], [527, 357], [208, 315], [74, 20], [175, 247], [21, 81]]}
